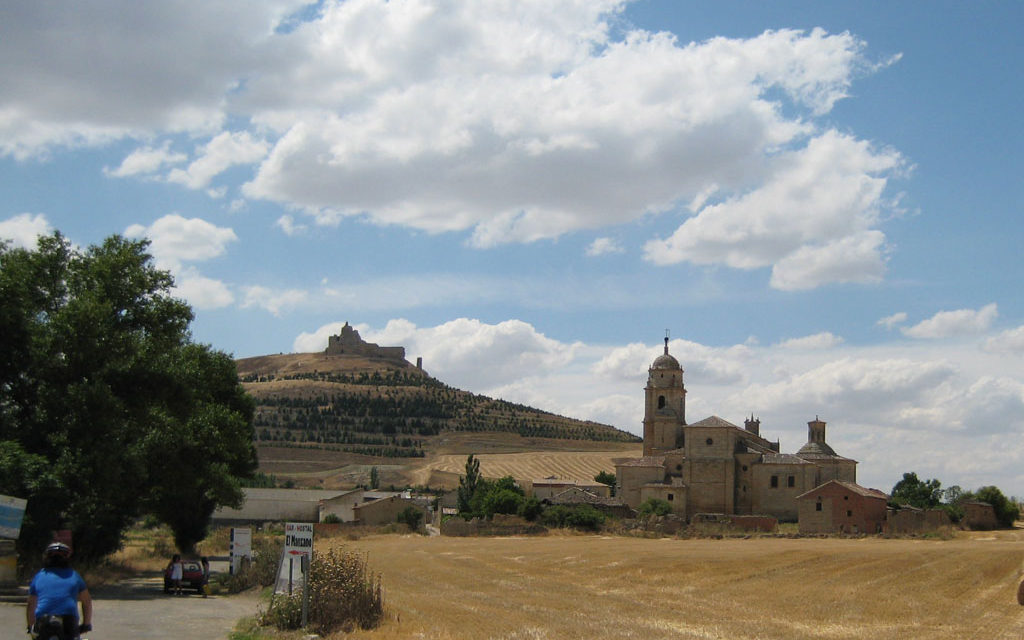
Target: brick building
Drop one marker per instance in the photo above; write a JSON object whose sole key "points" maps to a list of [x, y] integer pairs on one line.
{"points": [[842, 507]]}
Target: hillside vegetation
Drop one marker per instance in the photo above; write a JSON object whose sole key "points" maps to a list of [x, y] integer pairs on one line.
{"points": [[358, 411]]}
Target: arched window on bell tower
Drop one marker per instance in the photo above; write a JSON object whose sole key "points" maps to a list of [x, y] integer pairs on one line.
{"points": [[661, 402]]}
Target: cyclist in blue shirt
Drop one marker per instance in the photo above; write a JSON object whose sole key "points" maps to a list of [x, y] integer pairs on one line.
{"points": [[56, 591]]}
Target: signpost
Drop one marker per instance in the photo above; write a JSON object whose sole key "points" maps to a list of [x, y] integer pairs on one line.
{"points": [[298, 539], [12, 511], [298, 551], [295, 559], [241, 548]]}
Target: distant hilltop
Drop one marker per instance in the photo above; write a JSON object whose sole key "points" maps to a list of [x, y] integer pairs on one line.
{"points": [[348, 342]]}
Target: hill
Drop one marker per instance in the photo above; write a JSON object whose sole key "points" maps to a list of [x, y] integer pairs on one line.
{"points": [[325, 420]]}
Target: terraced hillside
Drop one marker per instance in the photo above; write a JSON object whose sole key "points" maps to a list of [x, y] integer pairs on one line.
{"points": [[361, 412]]}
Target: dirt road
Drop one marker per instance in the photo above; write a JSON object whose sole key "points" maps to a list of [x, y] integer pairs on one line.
{"points": [[137, 609]]}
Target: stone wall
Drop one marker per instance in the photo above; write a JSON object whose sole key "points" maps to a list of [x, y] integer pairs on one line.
{"points": [[754, 523], [904, 521], [979, 516], [780, 500]]}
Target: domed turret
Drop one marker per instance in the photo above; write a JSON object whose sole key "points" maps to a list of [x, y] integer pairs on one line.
{"points": [[665, 361], [665, 413]]}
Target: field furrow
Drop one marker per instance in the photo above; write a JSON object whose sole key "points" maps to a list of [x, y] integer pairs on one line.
{"points": [[587, 587]]}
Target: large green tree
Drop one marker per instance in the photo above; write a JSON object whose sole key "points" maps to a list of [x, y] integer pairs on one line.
{"points": [[108, 409], [1006, 510], [911, 490], [468, 485], [607, 478]]}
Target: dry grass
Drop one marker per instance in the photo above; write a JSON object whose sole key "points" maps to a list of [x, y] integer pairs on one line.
{"points": [[565, 587], [526, 467]]}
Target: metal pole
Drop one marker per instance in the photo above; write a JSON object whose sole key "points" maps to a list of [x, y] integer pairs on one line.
{"points": [[305, 591]]}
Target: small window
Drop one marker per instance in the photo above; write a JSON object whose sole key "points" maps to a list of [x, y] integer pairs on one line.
{"points": [[709, 442], [849, 514], [775, 482], [846, 497], [817, 506], [791, 481], [670, 496], [679, 467], [744, 467]]}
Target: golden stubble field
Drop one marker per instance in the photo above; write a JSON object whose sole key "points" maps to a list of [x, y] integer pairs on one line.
{"points": [[594, 587]]}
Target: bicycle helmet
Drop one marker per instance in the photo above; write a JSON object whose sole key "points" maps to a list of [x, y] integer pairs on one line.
{"points": [[58, 550]]}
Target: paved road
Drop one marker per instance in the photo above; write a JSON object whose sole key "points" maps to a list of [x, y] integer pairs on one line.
{"points": [[137, 609]]}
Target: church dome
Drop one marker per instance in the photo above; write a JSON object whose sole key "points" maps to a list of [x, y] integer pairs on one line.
{"points": [[665, 361]]}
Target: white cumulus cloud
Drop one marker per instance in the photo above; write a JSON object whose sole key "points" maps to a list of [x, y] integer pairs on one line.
{"points": [[219, 154], [862, 388], [823, 340], [162, 67], [510, 122], [146, 160], [604, 246], [274, 301], [176, 239], [287, 224], [24, 229], [465, 352], [201, 292], [1009, 341], [945, 324], [811, 219], [896, 319], [711, 365]]}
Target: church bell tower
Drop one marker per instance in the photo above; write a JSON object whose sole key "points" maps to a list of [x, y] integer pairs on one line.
{"points": [[665, 406]]}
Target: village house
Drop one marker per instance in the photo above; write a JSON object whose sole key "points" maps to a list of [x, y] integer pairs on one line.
{"points": [[275, 505], [842, 507], [342, 506], [549, 487], [979, 516], [575, 496], [386, 510]]}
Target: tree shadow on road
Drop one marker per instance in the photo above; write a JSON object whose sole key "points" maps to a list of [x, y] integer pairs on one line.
{"points": [[149, 586]]}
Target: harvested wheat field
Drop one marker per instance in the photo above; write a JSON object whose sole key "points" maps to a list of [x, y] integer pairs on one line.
{"points": [[595, 587], [525, 467]]}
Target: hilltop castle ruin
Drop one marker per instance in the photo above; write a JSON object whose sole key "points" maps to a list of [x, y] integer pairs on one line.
{"points": [[349, 343]]}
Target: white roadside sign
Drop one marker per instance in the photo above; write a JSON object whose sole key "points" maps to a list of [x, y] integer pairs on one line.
{"points": [[298, 539], [241, 547], [12, 510], [297, 553]]}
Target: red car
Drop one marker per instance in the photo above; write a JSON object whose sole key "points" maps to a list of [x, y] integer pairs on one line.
{"points": [[191, 576]]}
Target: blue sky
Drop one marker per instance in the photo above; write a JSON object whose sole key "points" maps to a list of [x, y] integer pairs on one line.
{"points": [[820, 201]]}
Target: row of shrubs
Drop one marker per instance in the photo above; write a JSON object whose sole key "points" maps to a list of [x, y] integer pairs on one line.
{"points": [[343, 595]]}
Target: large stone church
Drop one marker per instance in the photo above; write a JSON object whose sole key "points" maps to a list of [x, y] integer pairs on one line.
{"points": [[714, 466]]}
